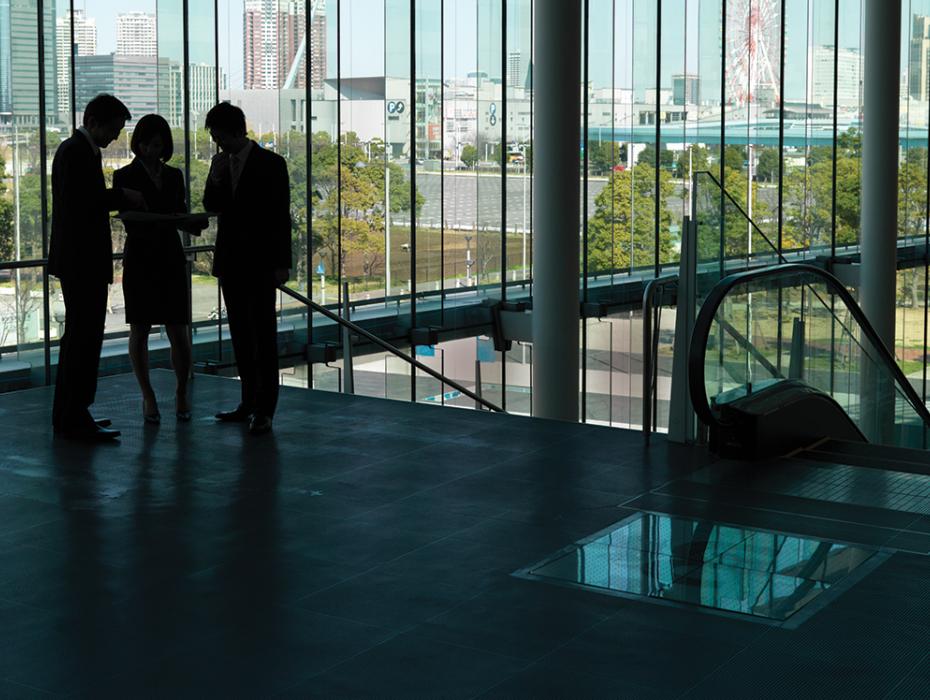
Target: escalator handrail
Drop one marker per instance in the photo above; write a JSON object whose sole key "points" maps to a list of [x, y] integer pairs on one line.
{"points": [[385, 345], [698, 346]]}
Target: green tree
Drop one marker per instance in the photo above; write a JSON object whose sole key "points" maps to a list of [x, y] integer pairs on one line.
{"points": [[691, 160], [603, 156], [6, 217], [469, 155], [353, 202], [621, 233], [767, 165], [648, 157]]}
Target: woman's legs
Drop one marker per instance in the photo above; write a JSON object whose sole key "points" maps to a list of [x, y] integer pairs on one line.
{"points": [[179, 336], [139, 356]]}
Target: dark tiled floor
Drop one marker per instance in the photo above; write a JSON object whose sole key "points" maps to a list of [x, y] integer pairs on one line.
{"points": [[365, 550]]}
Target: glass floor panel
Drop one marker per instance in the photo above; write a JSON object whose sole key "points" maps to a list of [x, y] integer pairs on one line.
{"points": [[720, 567]]}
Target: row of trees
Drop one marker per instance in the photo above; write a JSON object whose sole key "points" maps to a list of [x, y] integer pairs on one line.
{"points": [[623, 227]]}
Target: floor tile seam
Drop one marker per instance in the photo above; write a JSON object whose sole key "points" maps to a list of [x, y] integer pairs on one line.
{"points": [[35, 689], [896, 531], [884, 620], [373, 568], [408, 630], [501, 682], [716, 668], [907, 676]]}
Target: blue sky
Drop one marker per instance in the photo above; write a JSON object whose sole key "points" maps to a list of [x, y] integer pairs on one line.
{"points": [[371, 25]]}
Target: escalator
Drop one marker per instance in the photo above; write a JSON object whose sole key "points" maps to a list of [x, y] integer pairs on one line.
{"points": [[782, 358]]}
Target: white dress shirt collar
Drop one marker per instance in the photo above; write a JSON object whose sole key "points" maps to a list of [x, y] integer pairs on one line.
{"points": [[93, 145]]}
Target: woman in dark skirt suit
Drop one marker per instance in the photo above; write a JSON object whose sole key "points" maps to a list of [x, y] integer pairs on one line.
{"points": [[155, 276]]}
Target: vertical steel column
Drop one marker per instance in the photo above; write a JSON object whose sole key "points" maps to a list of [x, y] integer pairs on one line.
{"points": [[413, 186], [308, 154], [882, 63], [505, 157], [557, 75], [43, 186], [723, 124], [879, 218], [72, 102], [656, 193], [781, 169], [585, 65]]}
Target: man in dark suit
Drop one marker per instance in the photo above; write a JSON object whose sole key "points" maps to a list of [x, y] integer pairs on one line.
{"points": [[248, 187], [81, 256]]}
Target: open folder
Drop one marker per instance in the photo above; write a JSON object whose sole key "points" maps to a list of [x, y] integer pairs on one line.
{"points": [[148, 217]]}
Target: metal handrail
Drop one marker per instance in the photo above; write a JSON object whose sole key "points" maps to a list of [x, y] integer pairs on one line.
{"points": [[699, 337], [653, 288], [371, 337]]}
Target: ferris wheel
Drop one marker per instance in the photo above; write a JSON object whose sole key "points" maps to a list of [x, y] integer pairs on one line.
{"points": [[753, 29]]}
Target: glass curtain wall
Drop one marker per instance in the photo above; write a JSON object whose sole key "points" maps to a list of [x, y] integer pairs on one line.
{"points": [[408, 130]]}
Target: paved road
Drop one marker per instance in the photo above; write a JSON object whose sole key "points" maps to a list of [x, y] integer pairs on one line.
{"points": [[476, 200]]}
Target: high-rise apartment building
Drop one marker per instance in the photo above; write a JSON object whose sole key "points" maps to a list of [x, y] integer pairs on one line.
{"points": [[136, 34], [918, 61], [273, 44], [317, 46], [85, 44]]}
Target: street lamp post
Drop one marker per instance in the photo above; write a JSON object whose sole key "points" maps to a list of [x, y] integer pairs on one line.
{"points": [[524, 217], [387, 229], [17, 232]]}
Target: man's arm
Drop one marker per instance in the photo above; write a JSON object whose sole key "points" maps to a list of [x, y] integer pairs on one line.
{"points": [[216, 193]]}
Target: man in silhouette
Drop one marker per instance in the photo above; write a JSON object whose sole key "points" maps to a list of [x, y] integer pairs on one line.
{"points": [[248, 187], [81, 256]]}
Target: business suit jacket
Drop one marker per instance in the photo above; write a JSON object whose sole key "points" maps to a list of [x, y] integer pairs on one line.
{"points": [[253, 235], [81, 247]]}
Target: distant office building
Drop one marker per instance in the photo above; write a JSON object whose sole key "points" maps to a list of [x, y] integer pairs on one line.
{"points": [[918, 63], [515, 70], [85, 44], [848, 74], [6, 73], [203, 91], [686, 89], [134, 79], [19, 69], [273, 35], [136, 34]]}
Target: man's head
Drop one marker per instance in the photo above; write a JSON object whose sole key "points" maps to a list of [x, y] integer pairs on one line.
{"points": [[226, 124], [104, 117]]}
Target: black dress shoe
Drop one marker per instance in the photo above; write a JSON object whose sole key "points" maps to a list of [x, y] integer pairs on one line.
{"points": [[103, 422], [239, 415], [259, 425], [92, 434]]}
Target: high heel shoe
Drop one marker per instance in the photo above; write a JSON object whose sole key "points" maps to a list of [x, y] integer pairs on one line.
{"points": [[153, 418]]}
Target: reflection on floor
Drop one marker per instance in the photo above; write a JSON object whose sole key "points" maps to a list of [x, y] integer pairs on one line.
{"points": [[366, 549], [731, 569]]}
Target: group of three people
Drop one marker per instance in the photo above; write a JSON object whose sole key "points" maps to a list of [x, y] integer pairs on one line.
{"points": [[249, 191]]}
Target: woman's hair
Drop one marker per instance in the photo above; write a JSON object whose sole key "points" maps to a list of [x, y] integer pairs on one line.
{"points": [[150, 126]]}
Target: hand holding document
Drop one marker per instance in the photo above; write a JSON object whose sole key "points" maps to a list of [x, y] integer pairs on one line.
{"points": [[192, 223]]}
